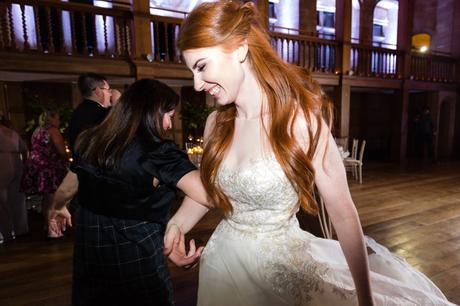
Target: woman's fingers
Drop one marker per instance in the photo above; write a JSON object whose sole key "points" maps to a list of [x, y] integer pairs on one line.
{"points": [[191, 251]]}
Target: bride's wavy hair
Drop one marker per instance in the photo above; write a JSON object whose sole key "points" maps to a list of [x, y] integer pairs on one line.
{"points": [[290, 92]]}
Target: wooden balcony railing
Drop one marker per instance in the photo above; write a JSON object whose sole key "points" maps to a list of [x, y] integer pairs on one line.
{"points": [[164, 32], [433, 68], [54, 27], [374, 62], [311, 53]]}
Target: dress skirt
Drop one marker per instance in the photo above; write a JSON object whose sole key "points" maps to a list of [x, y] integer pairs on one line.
{"points": [[119, 262]]}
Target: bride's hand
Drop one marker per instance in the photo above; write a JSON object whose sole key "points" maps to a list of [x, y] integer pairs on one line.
{"points": [[175, 248]]}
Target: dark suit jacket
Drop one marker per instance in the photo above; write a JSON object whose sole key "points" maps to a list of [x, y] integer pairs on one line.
{"points": [[88, 114]]}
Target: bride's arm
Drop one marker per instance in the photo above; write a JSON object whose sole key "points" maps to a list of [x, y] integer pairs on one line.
{"points": [[331, 181], [195, 204]]}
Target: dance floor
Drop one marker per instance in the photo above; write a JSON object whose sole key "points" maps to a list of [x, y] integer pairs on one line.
{"points": [[414, 211]]}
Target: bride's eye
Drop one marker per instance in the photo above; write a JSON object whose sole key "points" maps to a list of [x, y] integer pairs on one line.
{"points": [[201, 68]]}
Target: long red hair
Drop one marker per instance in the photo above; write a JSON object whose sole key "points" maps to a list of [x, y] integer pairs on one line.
{"points": [[290, 92]]}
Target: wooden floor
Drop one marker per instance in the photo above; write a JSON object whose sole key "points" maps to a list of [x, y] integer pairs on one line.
{"points": [[414, 211]]}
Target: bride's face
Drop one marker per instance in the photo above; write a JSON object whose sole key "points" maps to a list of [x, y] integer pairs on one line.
{"points": [[218, 72]]}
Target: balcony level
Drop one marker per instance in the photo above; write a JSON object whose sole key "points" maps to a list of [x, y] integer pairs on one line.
{"points": [[61, 37]]}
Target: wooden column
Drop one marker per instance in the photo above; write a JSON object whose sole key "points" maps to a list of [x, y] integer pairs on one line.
{"points": [[401, 102], [366, 21], [142, 43], [399, 125], [342, 109], [404, 42], [343, 91], [343, 33], [307, 17]]}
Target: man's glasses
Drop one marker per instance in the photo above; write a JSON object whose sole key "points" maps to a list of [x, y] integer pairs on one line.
{"points": [[102, 88]]}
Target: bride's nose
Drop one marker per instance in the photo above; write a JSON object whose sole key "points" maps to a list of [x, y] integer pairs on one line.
{"points": [[198, 83]]}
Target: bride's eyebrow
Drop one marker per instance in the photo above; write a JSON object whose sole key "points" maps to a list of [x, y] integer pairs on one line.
{"points": [[196, 63]]}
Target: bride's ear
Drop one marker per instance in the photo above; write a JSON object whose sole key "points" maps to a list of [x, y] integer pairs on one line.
{"points": [[242, 51]]}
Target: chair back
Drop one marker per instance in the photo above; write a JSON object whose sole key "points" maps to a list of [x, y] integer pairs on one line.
{"points": [[361, 150], [342, 142], [354, 148]]}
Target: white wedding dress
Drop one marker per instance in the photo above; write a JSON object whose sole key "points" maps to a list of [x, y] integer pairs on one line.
{"points": [[259, 256]]}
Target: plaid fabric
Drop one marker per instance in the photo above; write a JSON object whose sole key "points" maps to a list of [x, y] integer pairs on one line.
{"points": [[119, 262]]}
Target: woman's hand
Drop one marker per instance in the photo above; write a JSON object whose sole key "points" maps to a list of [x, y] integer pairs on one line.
{"points": [[174, 248], [59, 219]]}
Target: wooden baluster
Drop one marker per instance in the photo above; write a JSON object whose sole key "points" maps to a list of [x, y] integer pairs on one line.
{"points": [[419, 64], [324, 59], [302, 54], [73, 41], [24, 27], [311, 56], [352, 60], [282, 49], [371, 61], [3, 26], [12, 36], [167, 57], [127, 36], [50, 30], [156, 26], [60, 28], [84, 34], [176, 35], [93, 34], [314, 56], [116, 25], [106, 42], [37, 28], [360, 61], [289, 50]]}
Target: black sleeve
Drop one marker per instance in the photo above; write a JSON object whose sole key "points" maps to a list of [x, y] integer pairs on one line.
{"points": [[168, 163]]}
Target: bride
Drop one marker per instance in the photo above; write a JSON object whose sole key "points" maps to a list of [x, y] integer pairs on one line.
{"points": [[266, 146]]}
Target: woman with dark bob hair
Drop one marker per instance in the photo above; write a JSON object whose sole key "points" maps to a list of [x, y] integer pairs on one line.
{"points": [[126, 175]]}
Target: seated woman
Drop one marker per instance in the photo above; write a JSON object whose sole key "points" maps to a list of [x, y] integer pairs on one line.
{"points": [[126, 175]]}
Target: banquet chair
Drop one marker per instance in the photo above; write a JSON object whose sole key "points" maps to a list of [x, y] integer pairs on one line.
{"points": [[353, 156], [356, 164], [342, 142]]}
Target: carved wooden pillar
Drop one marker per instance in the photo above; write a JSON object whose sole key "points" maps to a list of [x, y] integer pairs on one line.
{"points": [[307, 17], [366, 21], [343, 91], [142, 43], [401, 106], [342, 109], [400, 125], [405, 22]]}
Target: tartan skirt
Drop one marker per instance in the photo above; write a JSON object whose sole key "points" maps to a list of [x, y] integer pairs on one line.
{"points": [[119, 262]]}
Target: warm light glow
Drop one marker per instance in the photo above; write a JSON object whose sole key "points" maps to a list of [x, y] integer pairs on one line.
{"points": [[423, 49]]}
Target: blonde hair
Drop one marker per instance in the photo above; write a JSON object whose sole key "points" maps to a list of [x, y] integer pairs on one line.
{"points": [[45, 116], [289, 90]]}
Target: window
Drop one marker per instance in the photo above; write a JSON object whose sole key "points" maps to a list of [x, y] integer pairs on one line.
{"points": [[328, 20], [377, 30]]}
